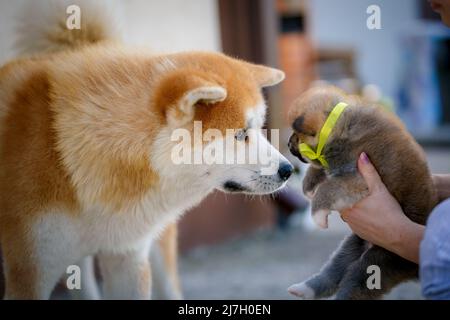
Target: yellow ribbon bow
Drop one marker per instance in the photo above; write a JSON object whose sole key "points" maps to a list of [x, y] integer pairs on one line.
{"points": [[307, 151]]}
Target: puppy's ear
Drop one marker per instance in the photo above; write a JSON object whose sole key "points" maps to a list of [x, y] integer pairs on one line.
{"points": [[180, 93], [298, 124], [301, 126], [266, 76]]}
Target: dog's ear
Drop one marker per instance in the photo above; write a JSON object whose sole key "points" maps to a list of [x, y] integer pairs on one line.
{"points": [[298, 124], [180, 93], [307, 128], [266, 76]]}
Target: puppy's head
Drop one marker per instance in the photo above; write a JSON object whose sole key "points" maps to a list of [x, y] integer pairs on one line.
{"points": [[308, 114]]}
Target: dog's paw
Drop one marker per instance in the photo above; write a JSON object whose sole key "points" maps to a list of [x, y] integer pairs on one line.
{"points": [[310, 194], [320, 217], [309, 190], [301, 290]]}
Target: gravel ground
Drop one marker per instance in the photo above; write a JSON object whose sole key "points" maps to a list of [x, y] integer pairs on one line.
{"points": [[264, 264]]}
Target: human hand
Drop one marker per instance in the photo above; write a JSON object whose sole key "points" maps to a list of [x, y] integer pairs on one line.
{"points": [[442, 185], [379, 219]]}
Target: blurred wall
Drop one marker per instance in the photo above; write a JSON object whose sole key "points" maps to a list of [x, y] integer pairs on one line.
{"points": [[342, 24], [173, 25], [169, 25]]}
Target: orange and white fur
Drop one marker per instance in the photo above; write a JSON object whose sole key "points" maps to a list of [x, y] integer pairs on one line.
{"points": [[85, 152]]}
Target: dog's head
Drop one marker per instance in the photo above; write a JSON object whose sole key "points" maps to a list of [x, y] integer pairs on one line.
{"points": [[308, 114], [128, 122], [214, 112]]}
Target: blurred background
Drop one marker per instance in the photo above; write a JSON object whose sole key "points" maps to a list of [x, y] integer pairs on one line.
{"points": [[235, 247]]}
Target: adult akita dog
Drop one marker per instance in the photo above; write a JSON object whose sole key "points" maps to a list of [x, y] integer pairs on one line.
{"points": [[86, 151]]}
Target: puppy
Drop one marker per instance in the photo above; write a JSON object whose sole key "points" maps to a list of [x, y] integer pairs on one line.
{"points": [[335, 184], [87, 151]]}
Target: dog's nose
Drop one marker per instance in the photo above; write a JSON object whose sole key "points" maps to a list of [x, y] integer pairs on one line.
{"points": [[285, 170], [293, 147]]}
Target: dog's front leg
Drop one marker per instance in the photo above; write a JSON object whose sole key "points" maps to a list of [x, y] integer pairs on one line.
{"points": [[337, 193], [166, 282], [36, 255], [126, 275], [89, 289], [312, 179]]}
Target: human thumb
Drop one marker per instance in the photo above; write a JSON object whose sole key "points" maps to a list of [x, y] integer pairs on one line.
{"points": [[369, 173]]}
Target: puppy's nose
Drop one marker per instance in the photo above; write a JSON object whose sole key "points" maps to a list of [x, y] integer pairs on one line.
{"points": [[293, 147], [293, 142], [285, 170]]}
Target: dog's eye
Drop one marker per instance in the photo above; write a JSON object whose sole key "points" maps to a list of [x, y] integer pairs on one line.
{"points": [[241, 135]]}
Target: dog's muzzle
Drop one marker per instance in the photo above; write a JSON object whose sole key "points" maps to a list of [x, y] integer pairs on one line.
{"points": [[293, 147]]}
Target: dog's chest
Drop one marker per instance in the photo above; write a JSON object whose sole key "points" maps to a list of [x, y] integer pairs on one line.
{"points": [[146, 219], [119, 231]]}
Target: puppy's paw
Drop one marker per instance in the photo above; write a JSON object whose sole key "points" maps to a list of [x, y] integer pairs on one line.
{"points": [[320, 217], [309, 190], [301, 290], [310, 194]]}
